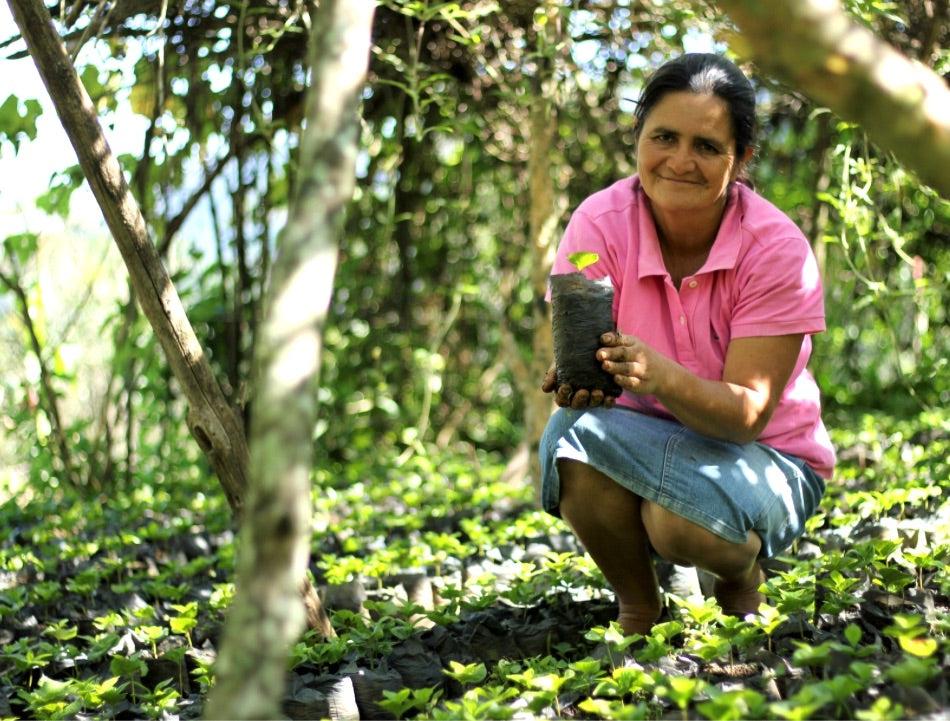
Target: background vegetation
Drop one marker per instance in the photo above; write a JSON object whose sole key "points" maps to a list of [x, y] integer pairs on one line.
{"points": [[429, 349]]}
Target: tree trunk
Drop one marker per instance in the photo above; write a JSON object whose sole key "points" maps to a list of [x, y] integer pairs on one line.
{"points": [[266, 616], [543, 223], [214, 424], [814, 45]]}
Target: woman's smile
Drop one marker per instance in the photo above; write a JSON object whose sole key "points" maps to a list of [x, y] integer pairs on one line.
{"points": [[681, 181], [686, 158]]}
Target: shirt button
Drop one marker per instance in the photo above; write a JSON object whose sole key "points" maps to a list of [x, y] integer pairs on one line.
{"points": [[682, 320], [693, 284]]}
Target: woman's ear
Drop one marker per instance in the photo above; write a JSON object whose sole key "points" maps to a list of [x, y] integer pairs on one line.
{"points": [[741, 162]]}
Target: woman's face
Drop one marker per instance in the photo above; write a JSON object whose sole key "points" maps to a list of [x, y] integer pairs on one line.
{"points": [[686, 155]]}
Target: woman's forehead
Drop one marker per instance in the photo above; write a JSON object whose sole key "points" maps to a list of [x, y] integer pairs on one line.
{"points": [[682, 110]]}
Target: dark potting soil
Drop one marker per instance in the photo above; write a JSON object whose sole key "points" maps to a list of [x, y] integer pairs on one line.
{"points": [[582, 311]]}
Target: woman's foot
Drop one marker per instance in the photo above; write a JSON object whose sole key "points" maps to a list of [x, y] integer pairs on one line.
{"points": [[637, 619], [742, 597]]}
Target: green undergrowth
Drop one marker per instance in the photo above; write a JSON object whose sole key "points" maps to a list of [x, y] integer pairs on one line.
{"points": [[111, 606]]}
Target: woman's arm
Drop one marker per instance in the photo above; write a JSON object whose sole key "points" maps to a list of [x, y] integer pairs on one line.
{"points": [[736, 409]]}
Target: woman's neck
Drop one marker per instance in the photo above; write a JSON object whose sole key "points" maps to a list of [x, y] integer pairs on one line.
{"points": [[685, 243], [686, 233]]}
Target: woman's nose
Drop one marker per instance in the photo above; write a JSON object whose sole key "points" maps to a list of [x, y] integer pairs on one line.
{"points": [[681, 159]]}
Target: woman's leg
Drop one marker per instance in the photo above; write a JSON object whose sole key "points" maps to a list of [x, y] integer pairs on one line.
{"points": [[605, 517], [735, 565], [719, 486]]}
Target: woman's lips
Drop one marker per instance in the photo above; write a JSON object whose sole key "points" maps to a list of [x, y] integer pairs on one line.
{"points": [[681, 181]]}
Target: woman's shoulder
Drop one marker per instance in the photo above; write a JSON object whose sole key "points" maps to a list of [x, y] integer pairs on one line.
{"points": [[763, 222], [619, 196]]}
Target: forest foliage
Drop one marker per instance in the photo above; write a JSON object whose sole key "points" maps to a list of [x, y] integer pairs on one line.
{"points": [[428, 349], [432, 316]]}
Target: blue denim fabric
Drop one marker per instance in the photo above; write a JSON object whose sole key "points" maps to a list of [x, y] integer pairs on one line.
{"points": [[727, 488]]}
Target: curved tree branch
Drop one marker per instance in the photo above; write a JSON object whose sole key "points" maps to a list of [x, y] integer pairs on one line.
{"points": [[815, 46], [214, 424]]}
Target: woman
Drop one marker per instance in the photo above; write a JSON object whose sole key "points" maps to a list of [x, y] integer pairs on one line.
{"points": [[715, 454]]}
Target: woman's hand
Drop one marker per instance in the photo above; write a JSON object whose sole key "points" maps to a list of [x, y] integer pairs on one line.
{"points": [[567, 397], [635, 366]]}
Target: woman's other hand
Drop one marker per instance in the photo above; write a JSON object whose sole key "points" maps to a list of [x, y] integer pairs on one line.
{"points": [[566, 397]]}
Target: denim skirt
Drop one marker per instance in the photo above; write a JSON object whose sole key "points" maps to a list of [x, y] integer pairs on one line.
{"points": [[727, 488]]}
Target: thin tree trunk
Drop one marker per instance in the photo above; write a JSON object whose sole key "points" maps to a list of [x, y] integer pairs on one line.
{"points": [[70, 476], [542, 225], [813, 44], [214, 424], [212, 421], [266, 616], [821, 154]]}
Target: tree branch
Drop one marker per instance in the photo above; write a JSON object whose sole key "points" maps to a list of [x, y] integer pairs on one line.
{"points": [[52, 403], [214, 424], [815, 46], [174, 225]]}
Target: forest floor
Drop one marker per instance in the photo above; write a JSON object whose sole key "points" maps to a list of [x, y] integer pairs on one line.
{"points": [[453, 597]]}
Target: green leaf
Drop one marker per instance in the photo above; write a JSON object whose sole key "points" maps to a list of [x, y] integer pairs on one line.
{"points": [[922, 647], [853, 634], [912, 671], [471, 673], [55, 201], [809, 655], [62, 632], [21, 245], [17, 119], [182, 624], [582, 259], [122, 666], [681, 690]]}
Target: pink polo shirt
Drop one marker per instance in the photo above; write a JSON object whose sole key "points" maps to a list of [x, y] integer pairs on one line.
{"points": [[760, 279]]}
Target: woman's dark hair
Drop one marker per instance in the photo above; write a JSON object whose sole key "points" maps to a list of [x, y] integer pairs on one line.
{"points": [[707, 74]]}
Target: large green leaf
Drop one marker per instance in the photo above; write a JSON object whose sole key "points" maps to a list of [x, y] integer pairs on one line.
{"points": [[18, 120]]}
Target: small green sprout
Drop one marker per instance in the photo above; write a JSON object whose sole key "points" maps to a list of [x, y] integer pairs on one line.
{"points": [[151, 635], [732, 704], [161, 701], [418, 699], [466, 674], [61, 631], [582, 259], [51, 699], [185, 621], [681, 690]]}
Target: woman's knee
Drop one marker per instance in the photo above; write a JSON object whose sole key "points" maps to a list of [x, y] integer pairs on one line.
{"points": [[685, 543], [671, 536], [577, 481]]}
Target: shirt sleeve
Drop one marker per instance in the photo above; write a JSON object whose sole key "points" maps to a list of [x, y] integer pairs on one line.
{"points": [[583, 235], [779, 289]]}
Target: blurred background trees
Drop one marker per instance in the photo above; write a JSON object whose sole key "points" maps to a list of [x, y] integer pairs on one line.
{"points": [[432, 342]]}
